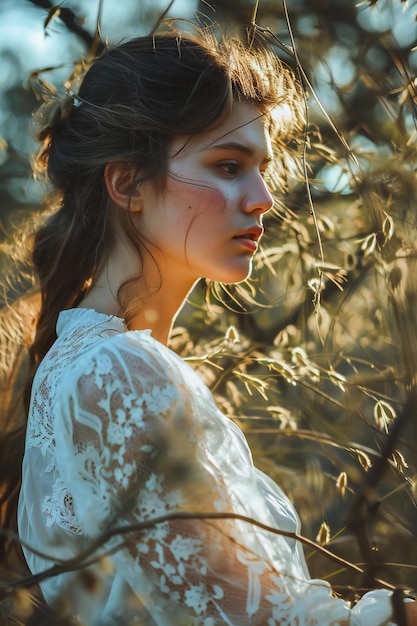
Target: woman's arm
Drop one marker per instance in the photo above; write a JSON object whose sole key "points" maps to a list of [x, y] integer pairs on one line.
{"points": [[130, 448]]}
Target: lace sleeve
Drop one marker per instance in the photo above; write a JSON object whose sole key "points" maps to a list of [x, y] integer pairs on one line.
{"points": [[138, 438]]}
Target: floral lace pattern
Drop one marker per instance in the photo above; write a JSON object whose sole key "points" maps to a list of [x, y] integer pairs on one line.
{"points": [[121, 431]]}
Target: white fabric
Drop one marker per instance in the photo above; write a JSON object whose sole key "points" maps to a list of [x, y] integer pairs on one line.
{"points": [[120, 431]]}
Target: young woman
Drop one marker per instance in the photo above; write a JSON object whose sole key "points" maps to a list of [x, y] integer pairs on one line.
{"points": [[159, 168]]}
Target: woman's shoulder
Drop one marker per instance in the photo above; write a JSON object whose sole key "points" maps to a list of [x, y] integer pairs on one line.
{"points": [[84, 334], [133, 365], [91, 345], [123, 354], [100, 371]]}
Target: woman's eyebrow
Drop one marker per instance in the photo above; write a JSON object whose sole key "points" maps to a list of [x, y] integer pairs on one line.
{"points": [[234, 145]]}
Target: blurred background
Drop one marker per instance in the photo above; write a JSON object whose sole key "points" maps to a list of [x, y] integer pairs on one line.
{"points": [[316, 357]]}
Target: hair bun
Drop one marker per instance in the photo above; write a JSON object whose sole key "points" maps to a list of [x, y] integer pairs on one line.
{"points": [[53, 112]]}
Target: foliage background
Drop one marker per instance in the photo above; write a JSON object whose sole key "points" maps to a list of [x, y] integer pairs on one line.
{"points": [[317, 362]]}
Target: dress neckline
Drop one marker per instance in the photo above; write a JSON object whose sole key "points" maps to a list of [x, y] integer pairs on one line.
{"points": [[80, 317]]}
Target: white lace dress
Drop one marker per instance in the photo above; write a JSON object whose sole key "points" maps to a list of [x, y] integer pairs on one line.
{"points": [[122, 431]]}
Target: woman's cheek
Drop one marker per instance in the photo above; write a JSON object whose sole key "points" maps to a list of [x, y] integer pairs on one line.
{"points": [[197, 195]]}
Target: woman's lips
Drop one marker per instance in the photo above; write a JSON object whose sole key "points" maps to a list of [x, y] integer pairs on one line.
{"points": [[249, 237], [247, 242]]}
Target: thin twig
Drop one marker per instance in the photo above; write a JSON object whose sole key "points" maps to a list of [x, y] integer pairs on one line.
{"points": [[83, 559], [358, 514], [255, 13], [161, 18], [68, 17]]}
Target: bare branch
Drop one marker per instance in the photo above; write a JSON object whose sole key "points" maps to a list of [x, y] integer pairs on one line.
{"points": [[68, 17], [88, 557], [359, 511]]}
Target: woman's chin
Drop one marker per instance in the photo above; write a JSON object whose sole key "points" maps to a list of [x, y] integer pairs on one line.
{"points": [[232, 278], [235, 274]]}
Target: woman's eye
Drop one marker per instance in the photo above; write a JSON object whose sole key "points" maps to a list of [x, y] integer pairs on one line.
{"points": [[230, 168]]}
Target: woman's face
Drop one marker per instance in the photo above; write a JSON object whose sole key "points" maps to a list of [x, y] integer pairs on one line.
{"points": [[207, 222]]}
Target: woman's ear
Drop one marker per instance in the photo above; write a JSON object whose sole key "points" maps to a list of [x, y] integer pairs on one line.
{"points": [[119, 179]]}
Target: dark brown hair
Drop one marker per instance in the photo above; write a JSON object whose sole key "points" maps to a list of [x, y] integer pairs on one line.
{"points": [[133, 101]]}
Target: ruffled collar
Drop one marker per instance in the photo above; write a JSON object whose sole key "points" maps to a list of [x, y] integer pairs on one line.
{"points": [[85, 317]]}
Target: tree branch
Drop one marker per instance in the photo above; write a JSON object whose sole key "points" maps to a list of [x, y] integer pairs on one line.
{"points": [[88, 557], [360, 509], [68, 17]]}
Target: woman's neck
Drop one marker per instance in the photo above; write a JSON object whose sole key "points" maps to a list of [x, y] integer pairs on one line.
{"points": [[150, 301], [158, 313]]}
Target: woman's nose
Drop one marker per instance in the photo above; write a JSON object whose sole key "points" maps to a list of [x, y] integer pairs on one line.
{"points": [[258, 197]]}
